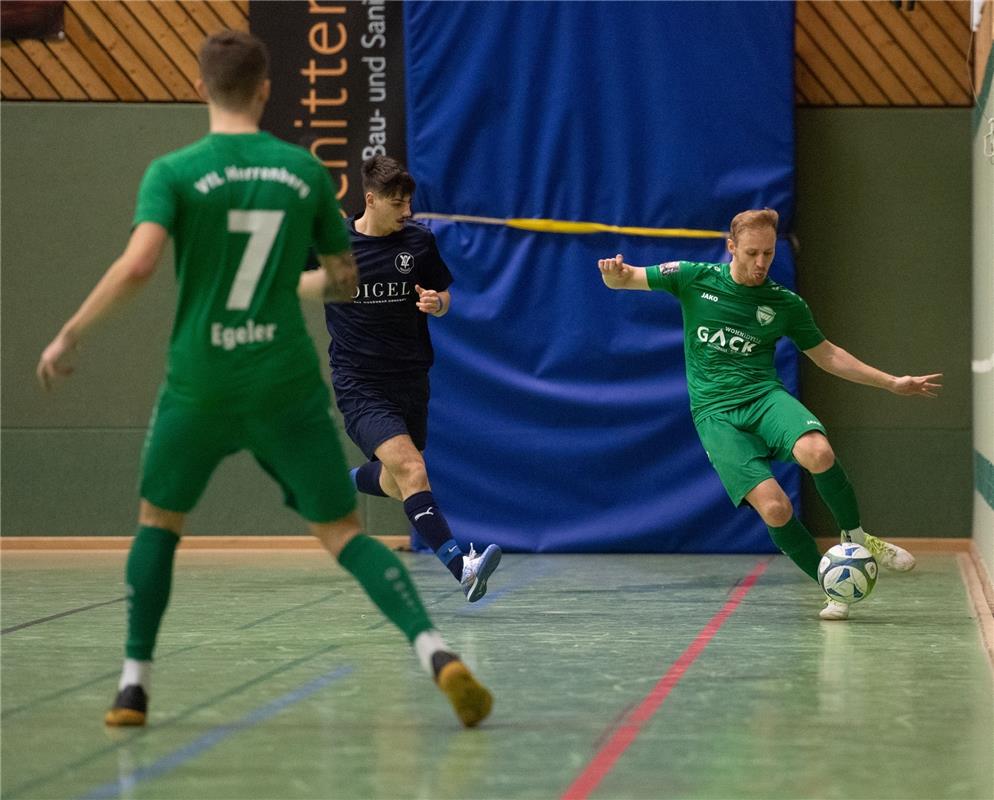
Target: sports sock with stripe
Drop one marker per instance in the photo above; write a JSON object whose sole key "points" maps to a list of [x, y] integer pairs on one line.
{"points": [[432, 526], [387, 582], [367, 478], [148, 576]]}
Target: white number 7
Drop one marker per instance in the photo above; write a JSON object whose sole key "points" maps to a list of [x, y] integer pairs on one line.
{"points": [[263, 227]]}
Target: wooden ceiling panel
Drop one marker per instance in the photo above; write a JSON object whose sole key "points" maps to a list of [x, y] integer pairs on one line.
{"points": [[848, 52], [148, 50], [166, 37], [946, 33], [53, 70], [94, 16], [914, 54], [95, 53], [82, 71], [134, 51], [27, 74], [837, 52], [11, 85]]}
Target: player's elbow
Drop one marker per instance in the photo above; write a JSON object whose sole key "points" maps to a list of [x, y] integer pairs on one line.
{"points": [[140, 270]]}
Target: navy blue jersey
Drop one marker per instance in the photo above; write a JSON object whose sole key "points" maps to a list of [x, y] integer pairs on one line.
{"points": [[383, 331]]}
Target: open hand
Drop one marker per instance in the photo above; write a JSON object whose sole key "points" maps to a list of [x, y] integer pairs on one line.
{"points": [[919, 386]]}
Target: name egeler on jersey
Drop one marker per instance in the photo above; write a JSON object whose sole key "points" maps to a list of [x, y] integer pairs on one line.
{"points": [[228, 338]]}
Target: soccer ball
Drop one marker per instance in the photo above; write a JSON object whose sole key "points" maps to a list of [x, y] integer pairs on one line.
{"points": [[847, 572]]}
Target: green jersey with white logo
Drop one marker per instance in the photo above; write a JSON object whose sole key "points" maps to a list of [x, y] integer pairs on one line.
{"points": [[242, 209], [731, 331]]}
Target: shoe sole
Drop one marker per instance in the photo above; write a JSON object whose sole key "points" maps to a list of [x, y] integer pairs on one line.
{"points": [[479, 587], [117, 717], [470, 699]]}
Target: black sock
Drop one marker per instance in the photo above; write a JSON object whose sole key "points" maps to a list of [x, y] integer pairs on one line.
{"points": [[431, 526], [367, 479]]}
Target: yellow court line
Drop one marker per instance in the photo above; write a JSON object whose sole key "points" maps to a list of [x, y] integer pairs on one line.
{"points": [[567, 226]]}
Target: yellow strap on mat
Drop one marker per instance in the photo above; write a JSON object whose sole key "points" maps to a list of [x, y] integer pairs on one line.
{"points": [[566, 226]]}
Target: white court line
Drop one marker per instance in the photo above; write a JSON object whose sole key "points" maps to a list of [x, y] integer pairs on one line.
{"points": [[980, 608]]}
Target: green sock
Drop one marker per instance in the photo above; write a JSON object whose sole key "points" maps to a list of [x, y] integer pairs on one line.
{"points": [[149, 576], [835, 489], [387, 582], [798, 545]]}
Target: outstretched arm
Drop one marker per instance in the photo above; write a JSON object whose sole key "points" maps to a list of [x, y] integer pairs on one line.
{"points": [[335, 282], [839, 362], [122, 281], [616, 274]]}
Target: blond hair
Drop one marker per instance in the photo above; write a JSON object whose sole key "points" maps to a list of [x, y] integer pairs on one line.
{"points": [[756, 218]]}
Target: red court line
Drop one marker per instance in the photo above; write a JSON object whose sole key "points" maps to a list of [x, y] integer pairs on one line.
{"points": [[603, 762]]}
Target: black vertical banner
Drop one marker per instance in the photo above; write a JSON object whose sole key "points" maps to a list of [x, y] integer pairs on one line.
{"points": [[337, 70]]}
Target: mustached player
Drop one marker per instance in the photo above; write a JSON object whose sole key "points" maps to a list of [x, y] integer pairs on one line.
{"points": [[380, 354]]}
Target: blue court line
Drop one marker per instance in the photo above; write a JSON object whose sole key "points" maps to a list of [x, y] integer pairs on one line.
{"points": [[195, 748], [89, 758], [11, 711]]}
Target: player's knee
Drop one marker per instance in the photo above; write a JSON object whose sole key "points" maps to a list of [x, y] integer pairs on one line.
{"points": [[813, 452], [409, 471], [154, 517], [776, 511], [334, 536]]}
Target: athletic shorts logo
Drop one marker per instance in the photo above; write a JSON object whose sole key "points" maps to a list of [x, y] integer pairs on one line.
{"points": [[765, 315], [404, 262], [428, 513]]}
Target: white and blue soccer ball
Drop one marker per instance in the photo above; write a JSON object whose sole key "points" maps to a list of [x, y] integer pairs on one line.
{"points": [[847, 572]]}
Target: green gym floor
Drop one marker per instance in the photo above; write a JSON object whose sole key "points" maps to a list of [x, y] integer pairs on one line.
{"points": [[614, 677]]}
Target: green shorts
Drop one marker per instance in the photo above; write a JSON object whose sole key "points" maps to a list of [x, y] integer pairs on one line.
{"points": [[296, 444], [741, 441]]}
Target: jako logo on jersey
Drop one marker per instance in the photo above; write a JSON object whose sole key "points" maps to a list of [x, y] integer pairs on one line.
{"points": [[404, 263], [712, 297], [734, 343], [765, 315]]}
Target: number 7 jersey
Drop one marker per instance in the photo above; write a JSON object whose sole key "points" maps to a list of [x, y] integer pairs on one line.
{"points": [[243, 211]]}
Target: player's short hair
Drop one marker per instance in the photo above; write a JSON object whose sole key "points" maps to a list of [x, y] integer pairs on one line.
{"points": [[386, 177], [756, 218], [232, 65]]}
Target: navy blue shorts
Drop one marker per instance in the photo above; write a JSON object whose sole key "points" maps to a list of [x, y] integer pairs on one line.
{"points": [[377, 408]]}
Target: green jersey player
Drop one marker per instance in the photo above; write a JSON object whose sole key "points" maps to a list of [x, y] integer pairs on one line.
{"points": [[733, 315], [243, 208]]}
